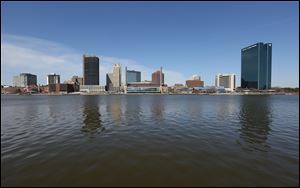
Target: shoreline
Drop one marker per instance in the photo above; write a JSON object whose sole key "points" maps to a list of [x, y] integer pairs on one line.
{"points": [[156, 94]]}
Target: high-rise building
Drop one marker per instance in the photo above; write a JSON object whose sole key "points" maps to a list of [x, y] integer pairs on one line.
{"points": [[225, 80], [132, 76], [109, 81], [156, 77], [53, 78], [116, 75], [90, 70], [25, 79], [256, 66], [113, 80]]}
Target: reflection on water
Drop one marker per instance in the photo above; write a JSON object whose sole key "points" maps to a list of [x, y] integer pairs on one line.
{"points": [[114, 109], [255, 119], [91, 115], [157, 107]]}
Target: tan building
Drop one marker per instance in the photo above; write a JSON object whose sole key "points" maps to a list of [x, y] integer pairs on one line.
{"points": [[77, 79], [225, 80], [116, 77], [113, 80]]}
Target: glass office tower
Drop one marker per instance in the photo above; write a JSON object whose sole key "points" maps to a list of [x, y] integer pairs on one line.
{"points": [[132, 76], [256, 66], [90, 70]]}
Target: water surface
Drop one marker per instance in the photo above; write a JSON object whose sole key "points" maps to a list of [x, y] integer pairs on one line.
{"points": [[150, 140]]}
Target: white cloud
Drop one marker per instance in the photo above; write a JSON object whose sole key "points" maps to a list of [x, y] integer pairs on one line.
{"points": [[40, 57]]}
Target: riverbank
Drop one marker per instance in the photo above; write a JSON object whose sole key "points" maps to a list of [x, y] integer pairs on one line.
{"points": [[157, 94]]}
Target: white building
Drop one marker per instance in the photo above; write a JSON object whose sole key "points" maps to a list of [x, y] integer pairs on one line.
{"points": [[92, 88], [225, 80], [196, 77]]}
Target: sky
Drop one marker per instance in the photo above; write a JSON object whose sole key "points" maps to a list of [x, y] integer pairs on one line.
{"points": [[185, 38]]}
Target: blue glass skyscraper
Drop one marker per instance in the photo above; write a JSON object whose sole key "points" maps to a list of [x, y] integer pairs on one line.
{"points": [[256, 66]]}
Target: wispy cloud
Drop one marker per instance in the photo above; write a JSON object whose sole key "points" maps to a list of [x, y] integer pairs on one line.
{"points": [[40, 57]]}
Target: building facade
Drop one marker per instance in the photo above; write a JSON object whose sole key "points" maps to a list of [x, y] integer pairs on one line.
{"points": [[113, 80], [256, 66], [132, 76], [194, 83], [142, 87], [90, 70], [225, 80], [116, 77], [109, 82], [77, 79], [92, 89], [53, 78], [156, 77], [25, 79]]}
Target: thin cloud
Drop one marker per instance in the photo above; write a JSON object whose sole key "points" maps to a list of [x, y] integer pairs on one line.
{"points": [[41, 57]]}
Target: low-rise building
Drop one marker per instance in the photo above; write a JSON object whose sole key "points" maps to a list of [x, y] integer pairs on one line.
{"points": [[142, 87], [194, 83], [92, 89], [61, 88]]}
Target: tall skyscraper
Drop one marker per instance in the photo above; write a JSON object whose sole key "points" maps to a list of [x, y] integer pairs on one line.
{"points": [[25, 79], [156, 77], [109, 81], [225, 80], [90, 70], [256, 66], [113, 80], [116, 75], [53, 78], [132, 76]]}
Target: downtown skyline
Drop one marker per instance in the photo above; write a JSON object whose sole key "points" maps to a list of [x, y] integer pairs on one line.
{"points": [[186, 41]]}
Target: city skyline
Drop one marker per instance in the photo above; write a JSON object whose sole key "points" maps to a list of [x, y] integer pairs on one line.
{"points": [[185, 47]]}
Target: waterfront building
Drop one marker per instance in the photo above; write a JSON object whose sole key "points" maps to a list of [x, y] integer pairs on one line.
{"points": [[53, 78], [90, 70], [156, 77], [256, 66], [113, 80], [77, 79], [225, 80], [116, 78], [24, 79], [142, 87], [61, 88], [194, 82], [132, 76], [92, 88], [109, 83]]}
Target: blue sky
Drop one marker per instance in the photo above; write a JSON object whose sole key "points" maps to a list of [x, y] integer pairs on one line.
{"points": [[186, 38]]}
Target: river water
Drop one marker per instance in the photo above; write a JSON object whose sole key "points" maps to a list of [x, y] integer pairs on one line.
{"points": [[150, 140]]}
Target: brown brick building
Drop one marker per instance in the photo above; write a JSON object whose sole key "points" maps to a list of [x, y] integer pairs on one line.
{"points": [[156, 78], [194, 83]]}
